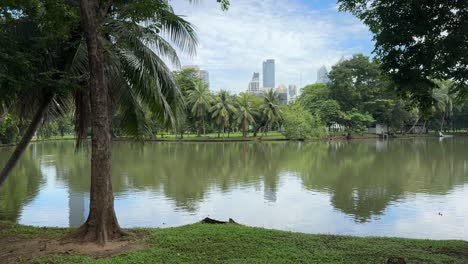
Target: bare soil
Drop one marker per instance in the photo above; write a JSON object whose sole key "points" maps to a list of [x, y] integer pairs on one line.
{"points": [[26, 250]]}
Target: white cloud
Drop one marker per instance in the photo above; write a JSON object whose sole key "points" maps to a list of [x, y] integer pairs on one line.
{"points": [[233, 44]]}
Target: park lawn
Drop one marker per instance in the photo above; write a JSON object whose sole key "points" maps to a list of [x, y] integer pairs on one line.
{"points": [[237, 136], [233, 243]]}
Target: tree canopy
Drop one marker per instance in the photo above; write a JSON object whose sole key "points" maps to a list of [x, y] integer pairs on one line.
{"points": [[418, 41]]}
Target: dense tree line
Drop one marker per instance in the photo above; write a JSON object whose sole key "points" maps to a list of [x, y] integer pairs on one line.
{"points": [[360, 94]]}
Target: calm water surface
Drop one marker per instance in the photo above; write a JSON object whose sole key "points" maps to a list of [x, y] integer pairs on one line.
{"points": [[378, 188]]}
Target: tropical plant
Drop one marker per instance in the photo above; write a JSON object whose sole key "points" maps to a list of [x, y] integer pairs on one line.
{"points": [[245, 113], [200, 100], [270, 109], [125, 62], [222, 110], [444, 100]]}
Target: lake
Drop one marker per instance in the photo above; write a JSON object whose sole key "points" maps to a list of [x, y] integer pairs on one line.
{"points": [[414, 188]]}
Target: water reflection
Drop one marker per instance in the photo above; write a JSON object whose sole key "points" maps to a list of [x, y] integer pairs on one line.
{"points": [[360, 188]]}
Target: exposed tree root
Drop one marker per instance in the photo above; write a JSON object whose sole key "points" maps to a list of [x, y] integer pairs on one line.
{"points": [[101, 233]]}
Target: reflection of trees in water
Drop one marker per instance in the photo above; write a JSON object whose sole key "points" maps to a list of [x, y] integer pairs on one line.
{"points": [[361, 177], [21, 186]]}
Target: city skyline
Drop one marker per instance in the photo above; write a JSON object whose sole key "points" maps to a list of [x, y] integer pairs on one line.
{"points": [[301, 36]]}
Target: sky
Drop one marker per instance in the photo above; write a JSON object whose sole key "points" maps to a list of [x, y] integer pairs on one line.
{"points": [[301, 35]]}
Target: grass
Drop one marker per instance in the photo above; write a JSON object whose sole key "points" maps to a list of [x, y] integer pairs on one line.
{"points": [[232, 243], [214, 137]]}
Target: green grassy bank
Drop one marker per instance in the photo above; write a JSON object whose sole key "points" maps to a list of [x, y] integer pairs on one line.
{"points": [[232, 243]]}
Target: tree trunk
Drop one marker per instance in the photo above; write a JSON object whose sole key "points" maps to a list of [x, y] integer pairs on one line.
{"points": [[204, 130], [442, 122], [414, 125], [244, 134], [423, 128], [101, 224], [26, 138]]}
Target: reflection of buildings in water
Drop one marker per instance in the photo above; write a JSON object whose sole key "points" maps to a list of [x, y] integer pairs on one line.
{"points": [[78, 208]]}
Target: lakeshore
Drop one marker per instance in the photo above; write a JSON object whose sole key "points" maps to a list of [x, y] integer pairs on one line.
{"points": [[223, 243], [237, 137]]}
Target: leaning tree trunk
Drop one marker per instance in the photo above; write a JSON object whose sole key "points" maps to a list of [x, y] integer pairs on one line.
{"points": [[414, 125], [36, 120], [101, 224]]}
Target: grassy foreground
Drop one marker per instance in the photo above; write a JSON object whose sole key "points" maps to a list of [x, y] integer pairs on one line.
{"points": [[232, 243]]}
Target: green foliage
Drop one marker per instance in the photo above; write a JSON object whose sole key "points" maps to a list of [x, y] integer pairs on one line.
{"points": [[60, 126], [356, 81], [9, 132], [356, 122], [223, 109], [417, 41], [246, 112], [316, 98], [270, 109], [300, 124]]}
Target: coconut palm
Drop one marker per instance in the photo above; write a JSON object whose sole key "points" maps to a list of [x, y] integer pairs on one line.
{"points": [[245, 112], [135, 78], [270, 108], [200, 100], [444, 100], [222, 110]]}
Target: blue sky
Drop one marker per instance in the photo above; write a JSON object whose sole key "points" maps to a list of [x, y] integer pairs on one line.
{"points": [[300, 35]]}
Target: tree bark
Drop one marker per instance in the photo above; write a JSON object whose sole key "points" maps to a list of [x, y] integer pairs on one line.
{"points": [[24, 142], [101, 224]]}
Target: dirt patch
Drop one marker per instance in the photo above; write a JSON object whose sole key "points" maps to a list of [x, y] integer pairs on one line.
{"points": [[23, 250]]}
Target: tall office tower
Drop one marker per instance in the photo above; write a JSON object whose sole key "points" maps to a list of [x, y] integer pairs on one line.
{"points": [[254, 84], [292, 90], [269, 74], [205, 76], [322, 75]]}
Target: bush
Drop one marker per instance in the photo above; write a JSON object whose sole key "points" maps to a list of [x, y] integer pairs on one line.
{"points": [[300, 124], [8, 130], [357, 122]]}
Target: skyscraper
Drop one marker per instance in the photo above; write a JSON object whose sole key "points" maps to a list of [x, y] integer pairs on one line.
{"points": [[269, 74], [254, 84], [322, 75], [292, 90], [205, 76], [292, 93]]}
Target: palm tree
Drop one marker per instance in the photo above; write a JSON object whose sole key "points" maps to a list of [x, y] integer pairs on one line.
{"points": [[270, 108], [222, 110], [444, 100], [245, 112], [200, 99], [132, 77]]}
